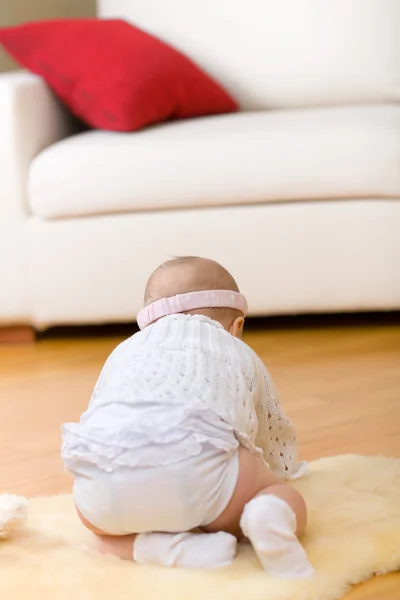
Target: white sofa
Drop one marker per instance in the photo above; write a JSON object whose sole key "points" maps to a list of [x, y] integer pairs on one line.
{"points": [[298, 194]]}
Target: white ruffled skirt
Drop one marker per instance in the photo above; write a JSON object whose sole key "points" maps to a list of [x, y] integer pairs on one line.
{"points": [[151, 468]]}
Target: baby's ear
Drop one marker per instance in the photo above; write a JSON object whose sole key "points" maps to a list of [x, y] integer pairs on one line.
{"points": [[236, 329]]}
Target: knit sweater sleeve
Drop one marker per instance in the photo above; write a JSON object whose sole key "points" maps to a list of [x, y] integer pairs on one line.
{"points": [[276, 435]]}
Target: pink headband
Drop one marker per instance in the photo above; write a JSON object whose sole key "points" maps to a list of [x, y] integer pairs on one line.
{"points": [[191, 301]]}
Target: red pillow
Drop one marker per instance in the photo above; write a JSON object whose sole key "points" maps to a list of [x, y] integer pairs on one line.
{"points": [[113, 75]]}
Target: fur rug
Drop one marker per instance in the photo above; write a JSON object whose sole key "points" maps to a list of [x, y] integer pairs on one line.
{"points": [[354, 532]]}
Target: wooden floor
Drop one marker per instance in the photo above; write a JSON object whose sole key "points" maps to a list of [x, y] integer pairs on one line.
{"points": [[340, 385]]}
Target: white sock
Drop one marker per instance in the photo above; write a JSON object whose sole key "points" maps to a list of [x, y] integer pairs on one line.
{"points": [[191, 550], [270, 525], [13, 513]]}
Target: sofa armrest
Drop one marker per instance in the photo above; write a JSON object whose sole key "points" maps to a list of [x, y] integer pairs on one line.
{"points": [[31, 119]]}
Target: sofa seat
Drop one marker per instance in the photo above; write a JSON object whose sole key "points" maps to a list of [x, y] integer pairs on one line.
{"points": [[345, 152]]}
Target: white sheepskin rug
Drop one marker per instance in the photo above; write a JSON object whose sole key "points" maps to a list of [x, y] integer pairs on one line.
{"points": [[354, 533]]}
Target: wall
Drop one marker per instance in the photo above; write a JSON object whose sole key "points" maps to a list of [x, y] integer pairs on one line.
{"points": [[13, 12]]}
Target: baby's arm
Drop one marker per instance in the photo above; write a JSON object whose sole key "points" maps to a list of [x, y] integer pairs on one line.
{"points": [[276, 435]]}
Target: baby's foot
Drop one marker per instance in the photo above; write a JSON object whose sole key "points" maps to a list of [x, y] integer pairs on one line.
{"points": [[191, 550], [13, 514], [270, 524], [120, 546], [188, 550]]}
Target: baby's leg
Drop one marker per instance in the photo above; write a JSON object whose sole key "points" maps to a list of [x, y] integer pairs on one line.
{"points": [[270, 522], [189, 549], [271, 514]]}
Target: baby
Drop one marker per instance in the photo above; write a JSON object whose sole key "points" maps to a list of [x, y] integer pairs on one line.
{"points": [[184, 448]]}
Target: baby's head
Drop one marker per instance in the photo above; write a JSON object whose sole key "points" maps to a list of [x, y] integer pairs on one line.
{"points": [[193, 274]]}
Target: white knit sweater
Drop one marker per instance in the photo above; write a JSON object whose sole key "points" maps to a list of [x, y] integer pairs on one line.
{"points": [[157, 386]]}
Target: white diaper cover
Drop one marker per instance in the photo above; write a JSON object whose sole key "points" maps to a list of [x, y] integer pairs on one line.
{"points": [[174, 484]]}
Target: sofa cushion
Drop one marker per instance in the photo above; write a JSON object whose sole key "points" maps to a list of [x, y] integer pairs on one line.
{"points": [[348, 152], [117, 77], [288, 54]]}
